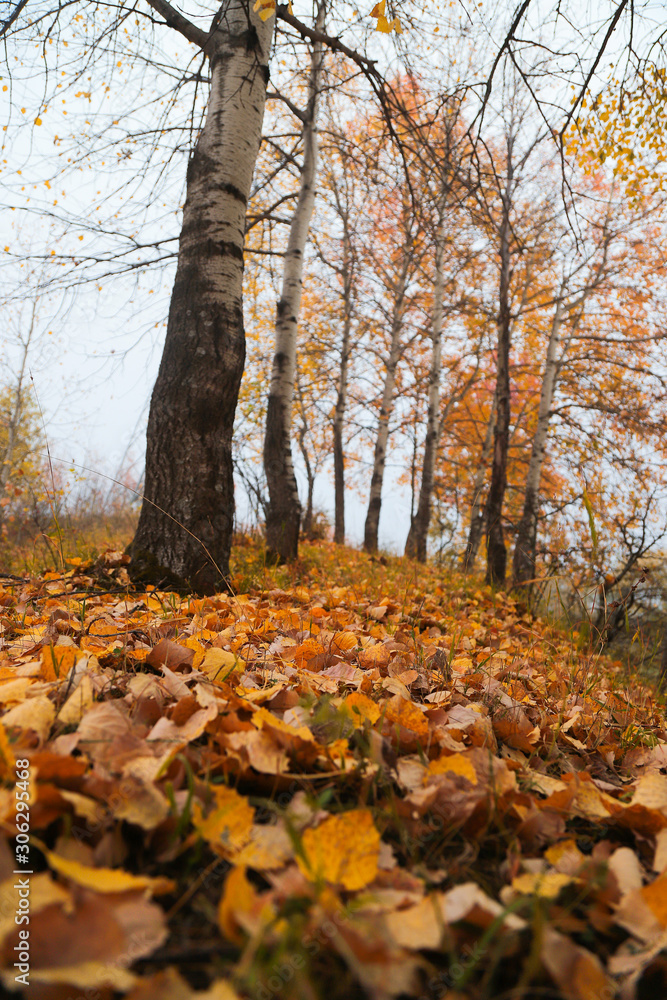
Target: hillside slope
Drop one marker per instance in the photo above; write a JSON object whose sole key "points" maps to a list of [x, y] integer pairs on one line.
{"points": [[359, 778]]}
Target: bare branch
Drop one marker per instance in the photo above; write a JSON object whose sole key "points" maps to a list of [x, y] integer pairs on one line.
{"points": [[180, 23], [9, 21], [332, 42]]}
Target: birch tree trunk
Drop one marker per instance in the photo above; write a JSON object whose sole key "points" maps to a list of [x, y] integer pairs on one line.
{"points": [[185, 527], [477, 513], [310, 478], [523, 568], [283, 515], [341, 398], [496, 552], [415, 545], [307, 526], [372, 523]]}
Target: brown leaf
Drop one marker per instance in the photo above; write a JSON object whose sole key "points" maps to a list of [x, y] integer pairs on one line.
{"points": [[575, 970], [170, 654]]}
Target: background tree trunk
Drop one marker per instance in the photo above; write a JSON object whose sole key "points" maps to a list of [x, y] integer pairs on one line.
{"points": [[185, 527], [341, 398], [283, 515], [372, 523], [307, 524], [523, 569], [310, 477], [416, 543], [496, 553], [477, 511]]}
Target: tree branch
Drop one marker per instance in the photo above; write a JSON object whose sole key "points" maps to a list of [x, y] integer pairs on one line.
{"points": [[180, 23], [509, 37], [582, 93], [332, 42], [8, 22], [277, 96]]}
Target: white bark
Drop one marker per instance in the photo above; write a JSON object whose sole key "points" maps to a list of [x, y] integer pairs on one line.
{"points": [[284, 508], [546, 399], [284, 362], [341, 399], [415, 545], [386, 405], [476, 508]]}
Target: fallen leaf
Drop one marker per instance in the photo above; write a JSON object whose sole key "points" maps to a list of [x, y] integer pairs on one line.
{"points": [[343, 850], [228, 825], [106, 879]]}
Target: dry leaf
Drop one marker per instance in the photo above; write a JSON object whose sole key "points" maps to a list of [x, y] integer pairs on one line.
{"points": [[343, 850], [106, 879]]}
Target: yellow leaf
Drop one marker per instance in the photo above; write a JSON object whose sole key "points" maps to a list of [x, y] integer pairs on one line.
{"points": [[264, 719], [416, 927], [105, 879], [265, 8], [462, 663], [229, 825], [343, 850], [456, 763], [34, 713], [238, 894], [218, 663], [198, 650], [15, 690], [547, 885], [374, 656], [565, 852], [361, 708], [78, 703]]}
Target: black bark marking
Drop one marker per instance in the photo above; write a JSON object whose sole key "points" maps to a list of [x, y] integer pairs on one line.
{"points": [[233, 192], [223, 248]]}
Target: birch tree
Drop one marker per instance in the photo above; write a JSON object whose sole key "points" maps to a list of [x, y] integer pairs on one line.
{"points": [[396, 348], [342, 194], [477, 512], [506, 210], [185, 525], [283, 514], [184, 533], [415, 545]]}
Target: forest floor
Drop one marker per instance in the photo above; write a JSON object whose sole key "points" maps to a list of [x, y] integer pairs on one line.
{"points": [[353, 778]]}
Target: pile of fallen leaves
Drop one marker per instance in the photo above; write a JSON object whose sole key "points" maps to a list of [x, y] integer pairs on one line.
{"points": [[367, 782]]}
